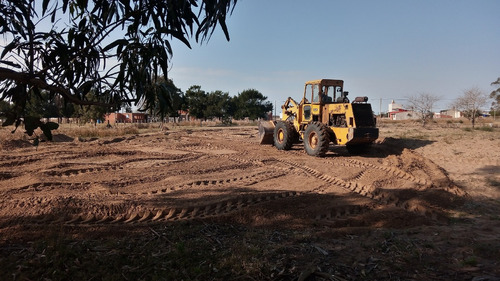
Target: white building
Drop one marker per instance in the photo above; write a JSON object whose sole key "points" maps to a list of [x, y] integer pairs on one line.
{"points": [[395, 107]]}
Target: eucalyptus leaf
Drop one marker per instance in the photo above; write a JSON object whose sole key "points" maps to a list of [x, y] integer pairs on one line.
{"points": [[30, 124], [47, 129]]}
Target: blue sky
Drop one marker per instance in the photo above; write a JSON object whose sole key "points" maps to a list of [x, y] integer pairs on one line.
{"points": [[386, 50]]}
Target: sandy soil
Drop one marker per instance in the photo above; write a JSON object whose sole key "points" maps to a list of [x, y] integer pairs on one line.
{"points": [[438, 187]]}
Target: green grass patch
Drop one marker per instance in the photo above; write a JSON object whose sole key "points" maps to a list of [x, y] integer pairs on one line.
{"points": [[470, 261]]}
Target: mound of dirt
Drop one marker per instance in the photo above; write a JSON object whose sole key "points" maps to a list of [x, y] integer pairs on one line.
{"points": [[13, 144], [62, 138]]}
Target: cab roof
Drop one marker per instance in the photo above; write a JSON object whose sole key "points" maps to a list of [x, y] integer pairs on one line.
{"points": [[326, 82]]}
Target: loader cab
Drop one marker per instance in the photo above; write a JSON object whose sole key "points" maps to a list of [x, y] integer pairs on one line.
{"points": [[323, 91], [318, 93]]}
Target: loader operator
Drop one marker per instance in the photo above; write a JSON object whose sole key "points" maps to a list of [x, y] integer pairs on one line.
{"points": [[325, 98]]}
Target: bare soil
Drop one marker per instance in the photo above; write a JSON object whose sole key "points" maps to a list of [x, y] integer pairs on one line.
{"points": [[422, 204]]}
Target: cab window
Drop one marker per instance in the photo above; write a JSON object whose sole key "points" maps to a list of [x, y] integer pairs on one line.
{"points": [[328, 94], [308, 93], [315, 93]]}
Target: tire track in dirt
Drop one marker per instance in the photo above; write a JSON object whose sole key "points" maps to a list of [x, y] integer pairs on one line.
{"points": [[240, 181], [233, 154], [45, 186], [119, 166], [8, 175], [50, 185], [225, 207], [167, 214], [11, 161], [383, 197], [379, 195], [391, 170], [151, 215], [330, 213]]}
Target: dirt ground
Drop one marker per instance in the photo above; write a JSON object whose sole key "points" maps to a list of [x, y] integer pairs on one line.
{"points": [[422, 204]]}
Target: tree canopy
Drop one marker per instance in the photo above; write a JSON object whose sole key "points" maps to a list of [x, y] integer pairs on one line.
{"points": [[423, 104], [196, 101], [219, 105], [116, 49], [470, 103], [252, 104]]}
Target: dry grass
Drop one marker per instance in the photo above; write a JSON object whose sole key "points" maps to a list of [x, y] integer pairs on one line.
{"points": [[98, 132]]}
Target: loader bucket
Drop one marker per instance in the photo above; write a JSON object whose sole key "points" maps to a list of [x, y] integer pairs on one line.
{"points": [[266, 132]]}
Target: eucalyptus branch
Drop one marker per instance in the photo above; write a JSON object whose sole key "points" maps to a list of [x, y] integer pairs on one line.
{"points": [[24, 78]]}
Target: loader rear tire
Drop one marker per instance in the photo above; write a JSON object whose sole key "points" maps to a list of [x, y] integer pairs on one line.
{"points": [[316, 139], [283, 135]]}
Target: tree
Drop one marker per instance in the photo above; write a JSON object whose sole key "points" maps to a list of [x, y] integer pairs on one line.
{"points": [[422, 104], [168, 93], [90, 113], [113, 48], [219, 105], [470, 103], [42, 106], [66, 109], [251, 103], [196, 101], [495, 95], [178, 100]]}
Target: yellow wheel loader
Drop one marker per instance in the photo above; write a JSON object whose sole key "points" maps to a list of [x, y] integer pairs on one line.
{"points": [[323, 116]]}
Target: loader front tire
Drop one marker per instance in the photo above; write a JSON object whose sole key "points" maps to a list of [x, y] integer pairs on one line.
{"points": [[283, 135], [316, 139]]}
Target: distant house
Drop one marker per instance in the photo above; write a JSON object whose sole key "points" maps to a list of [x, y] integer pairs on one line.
{"points": [[61, 120], [397, 112], [395, 107], [402, 114], [183, 115], [441, 115], [449, 113], [126, 118]]}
